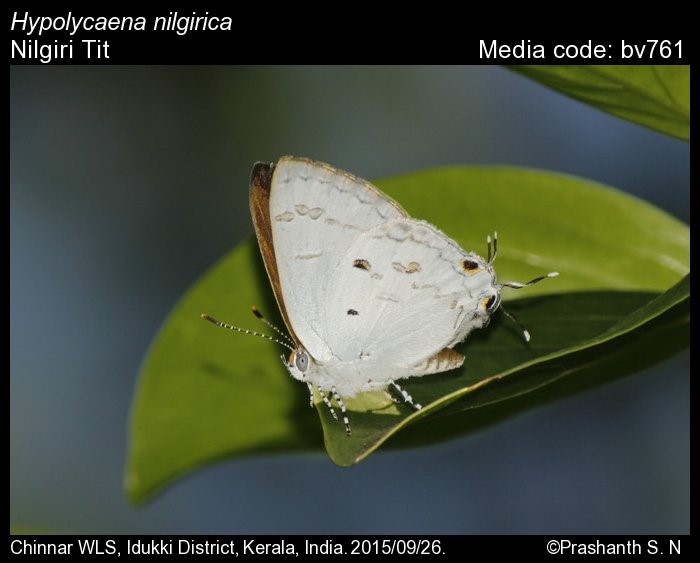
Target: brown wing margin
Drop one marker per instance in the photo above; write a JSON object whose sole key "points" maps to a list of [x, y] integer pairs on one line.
{"points": [[260, 185], [446, 359]]}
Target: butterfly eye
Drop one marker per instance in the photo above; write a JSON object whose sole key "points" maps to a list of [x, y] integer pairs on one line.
{"points": [[470, 266], [491, 303], [302, 361]]}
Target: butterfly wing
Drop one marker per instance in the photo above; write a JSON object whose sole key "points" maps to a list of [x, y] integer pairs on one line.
{"points": [[397, 298], [259, 199], [306, 215]]}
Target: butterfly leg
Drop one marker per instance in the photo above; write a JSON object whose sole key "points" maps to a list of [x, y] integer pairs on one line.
{"points": [[343, 411], [391, 397], [406, 396], [328, 402], [311, 394]]}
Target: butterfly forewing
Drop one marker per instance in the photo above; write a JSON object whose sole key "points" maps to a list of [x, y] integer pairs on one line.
{"points": [[315, 214]]}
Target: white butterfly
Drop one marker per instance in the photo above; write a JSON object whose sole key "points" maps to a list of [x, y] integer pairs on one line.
{"points": [[368, 294]]}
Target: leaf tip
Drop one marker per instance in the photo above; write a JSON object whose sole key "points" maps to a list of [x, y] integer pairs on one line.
{"points": [[132, 488]]}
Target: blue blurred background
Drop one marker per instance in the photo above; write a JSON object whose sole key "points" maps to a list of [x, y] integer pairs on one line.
{"points": [[128, 183]]}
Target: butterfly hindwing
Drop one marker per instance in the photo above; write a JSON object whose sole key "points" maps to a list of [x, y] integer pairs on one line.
{"points": [[397, 298]]}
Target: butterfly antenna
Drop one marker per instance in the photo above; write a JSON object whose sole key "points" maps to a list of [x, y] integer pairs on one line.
{"points": [[521, 326], [212, 320], [491, 257], [260, 316]]}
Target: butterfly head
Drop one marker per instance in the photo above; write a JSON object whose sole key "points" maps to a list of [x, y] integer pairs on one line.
{"points": [[298, 363]]}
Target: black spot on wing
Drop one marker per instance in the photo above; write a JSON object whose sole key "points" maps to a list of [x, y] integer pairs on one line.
{"points": [[362, 264], [470, 266]]}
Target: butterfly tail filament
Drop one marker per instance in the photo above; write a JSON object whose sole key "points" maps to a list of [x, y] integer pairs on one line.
{"points": [[492, 251]]}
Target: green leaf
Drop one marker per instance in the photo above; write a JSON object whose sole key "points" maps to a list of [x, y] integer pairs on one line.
{"points": [[661, 338], [205, 393], [500, 367], [657, 97]]}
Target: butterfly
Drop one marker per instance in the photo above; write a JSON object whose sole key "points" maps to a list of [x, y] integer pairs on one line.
{"points": [[368, 294]]}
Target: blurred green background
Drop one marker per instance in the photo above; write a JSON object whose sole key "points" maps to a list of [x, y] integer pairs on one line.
{"points": [[127, 183]]}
